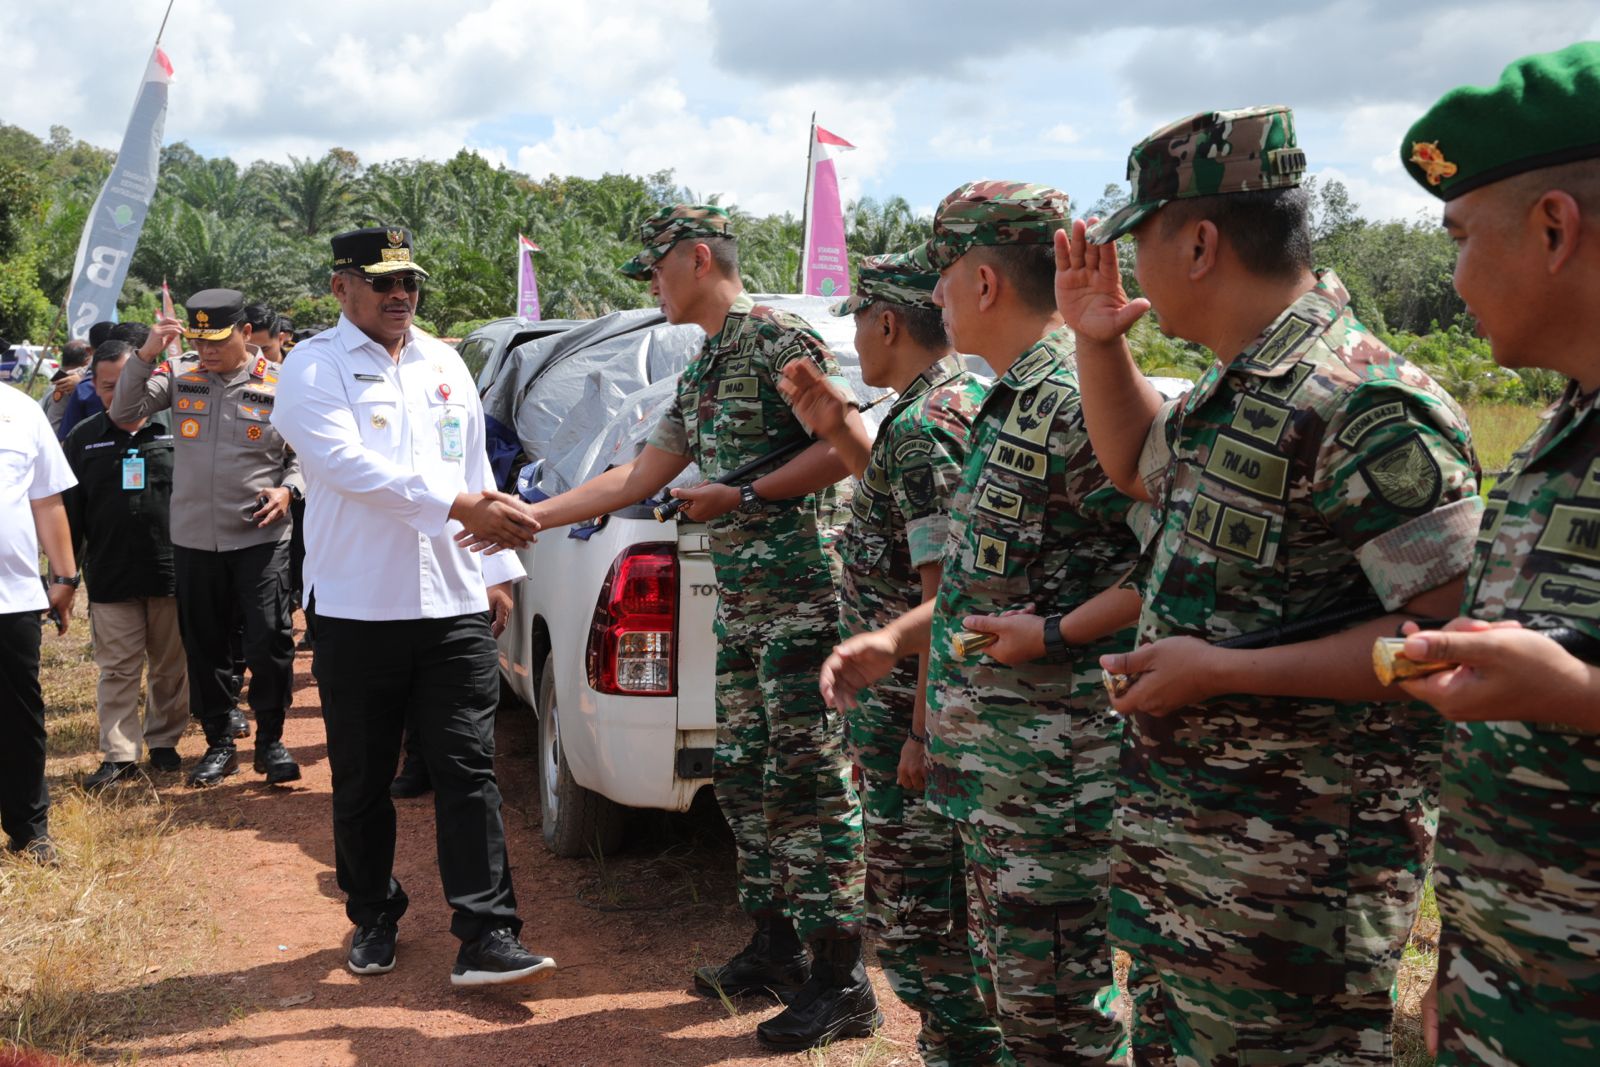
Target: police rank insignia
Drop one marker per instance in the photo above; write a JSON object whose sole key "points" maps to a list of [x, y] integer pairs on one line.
{"points": [[1406, 477], [254, 433], [1426, 155], [189, 428]]}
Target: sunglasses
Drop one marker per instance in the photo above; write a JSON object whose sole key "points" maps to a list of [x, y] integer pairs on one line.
{"points": [[385, 283]]}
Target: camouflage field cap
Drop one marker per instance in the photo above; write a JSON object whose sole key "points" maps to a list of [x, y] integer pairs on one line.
{"points": [[1204, 155], [905, 278], [672, 224], [1544, 111], [988, 212]]}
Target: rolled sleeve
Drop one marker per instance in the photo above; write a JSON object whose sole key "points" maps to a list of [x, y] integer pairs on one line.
{"points": [[1423, 554], [141, 392], [314, 416], [1156, 455], [672, 432]]}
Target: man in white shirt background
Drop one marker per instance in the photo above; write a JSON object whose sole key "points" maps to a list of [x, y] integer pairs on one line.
{"points": [[33, 473], [389, 431]]}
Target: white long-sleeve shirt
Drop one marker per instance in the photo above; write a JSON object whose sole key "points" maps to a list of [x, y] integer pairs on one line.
{"points": [[386, 445]]}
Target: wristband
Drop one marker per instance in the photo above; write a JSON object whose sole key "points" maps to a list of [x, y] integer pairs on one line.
{"points": [[73, 581], [921, 739], [1055, 647]]}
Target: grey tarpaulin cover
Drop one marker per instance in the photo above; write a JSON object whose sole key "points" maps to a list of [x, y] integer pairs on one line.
{"points": [[587, 399]]}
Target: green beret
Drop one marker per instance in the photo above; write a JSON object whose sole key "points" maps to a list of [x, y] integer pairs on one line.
{"points": [[1544, 111], [672, 224]]}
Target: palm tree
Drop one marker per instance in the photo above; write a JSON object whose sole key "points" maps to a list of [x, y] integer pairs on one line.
{"points": [[313, 197]]}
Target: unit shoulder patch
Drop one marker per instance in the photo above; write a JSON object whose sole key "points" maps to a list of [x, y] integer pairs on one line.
{"points": [[1406, 476]]}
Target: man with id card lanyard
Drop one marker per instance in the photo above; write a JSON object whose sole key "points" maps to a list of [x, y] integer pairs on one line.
{"points": [[121, 517], [387, 424]]}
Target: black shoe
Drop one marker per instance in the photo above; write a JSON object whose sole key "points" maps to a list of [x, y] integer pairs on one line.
{"points": [[238, 725], [372, 949], [773, 964], [498, 958], [165, 759], [837, 1002], [274, 761], [40, 850], [110, 771], [412, 781], [218, 762]]}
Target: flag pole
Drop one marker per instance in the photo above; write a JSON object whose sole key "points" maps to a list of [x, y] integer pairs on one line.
{"points": [[805, 207], [164, 18]]}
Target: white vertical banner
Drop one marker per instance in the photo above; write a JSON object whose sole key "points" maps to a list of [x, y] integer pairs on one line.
{"points": [[112, 231]]}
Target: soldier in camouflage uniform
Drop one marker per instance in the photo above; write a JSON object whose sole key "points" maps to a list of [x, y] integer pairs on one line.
{"points": [[916, 894], [1518, 862], [1020, 756], [782, 774], [1270, 833]]}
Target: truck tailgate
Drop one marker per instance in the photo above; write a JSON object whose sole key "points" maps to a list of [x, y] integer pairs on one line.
{"points": [[697, 642]]}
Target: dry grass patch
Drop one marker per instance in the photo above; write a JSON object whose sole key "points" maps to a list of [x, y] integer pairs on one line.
{"points": [[87, 947], [1498, 430]]}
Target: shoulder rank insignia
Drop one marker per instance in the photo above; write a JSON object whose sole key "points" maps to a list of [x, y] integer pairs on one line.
{"points": [[260, 368], [1426, 155]]}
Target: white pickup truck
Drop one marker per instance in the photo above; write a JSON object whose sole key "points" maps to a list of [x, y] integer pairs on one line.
{"points": [[611, 641]]}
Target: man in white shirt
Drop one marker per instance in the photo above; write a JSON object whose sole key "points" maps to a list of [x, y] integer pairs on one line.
{"points": [[33, 473], [389, 431]]}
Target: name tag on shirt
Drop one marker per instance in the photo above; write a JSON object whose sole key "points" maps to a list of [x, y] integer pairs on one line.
{"points": [[133, 472], [370, 378], [451, 441]]}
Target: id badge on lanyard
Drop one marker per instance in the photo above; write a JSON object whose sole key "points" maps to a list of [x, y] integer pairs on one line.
{"points": [[133, 471], [452, 443]]}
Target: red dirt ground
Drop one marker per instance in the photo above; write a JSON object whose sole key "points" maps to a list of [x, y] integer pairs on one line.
{"points": [[625, 933]]}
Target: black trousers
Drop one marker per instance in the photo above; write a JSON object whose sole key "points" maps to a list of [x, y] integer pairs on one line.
{"points": [[440, 679], [24, 799], [211, 586]]}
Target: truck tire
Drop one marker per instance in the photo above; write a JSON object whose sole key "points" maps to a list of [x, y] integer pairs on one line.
{"points": [[577, 821]]}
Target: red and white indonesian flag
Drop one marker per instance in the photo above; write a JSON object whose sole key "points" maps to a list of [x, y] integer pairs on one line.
{"points": [[825, 261], [527, 282]]}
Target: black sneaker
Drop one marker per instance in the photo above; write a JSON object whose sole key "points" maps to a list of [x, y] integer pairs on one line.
{"points": [[40, 850], [109, 771], [218, 762], [372, 949], [165, 759], [238, 725], [498, 958], [274, 761]]}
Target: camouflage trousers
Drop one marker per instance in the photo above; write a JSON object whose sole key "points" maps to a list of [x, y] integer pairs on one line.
{"points": [[916, 895], [1182, 1021], [1267, 901], [782, 775], [1038, 911], [1518, 884]]}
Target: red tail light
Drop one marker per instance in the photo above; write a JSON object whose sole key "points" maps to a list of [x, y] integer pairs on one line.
{"points": [[635, 624]]}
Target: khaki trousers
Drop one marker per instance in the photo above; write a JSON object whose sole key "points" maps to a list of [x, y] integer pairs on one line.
{"points": [[126, 633]]}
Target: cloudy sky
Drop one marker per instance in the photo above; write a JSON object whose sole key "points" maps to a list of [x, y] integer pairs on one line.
{"points": [[933, 92]]}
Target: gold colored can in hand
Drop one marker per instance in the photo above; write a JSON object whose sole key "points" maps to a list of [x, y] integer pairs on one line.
{"points": [[1390, 664], [968, 643], [1117, 684]]}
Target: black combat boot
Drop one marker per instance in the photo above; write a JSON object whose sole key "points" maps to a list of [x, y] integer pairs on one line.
{"points": [[837, 1002], [773, 963]]}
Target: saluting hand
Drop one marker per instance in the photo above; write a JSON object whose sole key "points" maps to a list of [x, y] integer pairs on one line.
{"points": [[816, 402], [1173, 673], [1089, 291], [1505, 672], [492, 520], [162, 334], [854, 664], [707, 501]]}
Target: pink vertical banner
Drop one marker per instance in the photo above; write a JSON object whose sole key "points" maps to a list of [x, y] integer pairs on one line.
{"points": [[825, 260], [527, 282]]}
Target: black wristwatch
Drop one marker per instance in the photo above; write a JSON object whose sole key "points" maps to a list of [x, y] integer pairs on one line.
{"points": [[294, 493], [75, 581], [749, 502], [1056, 649]]}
